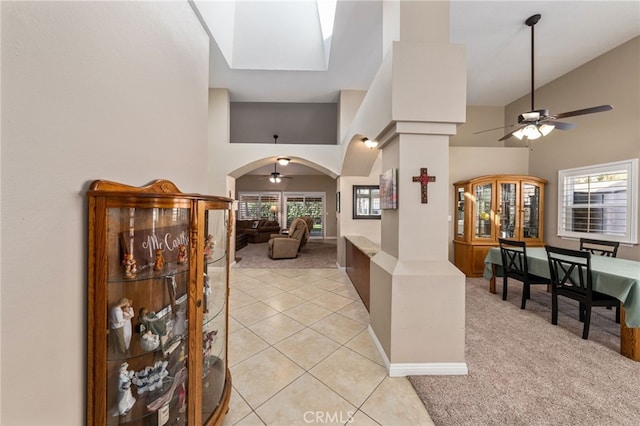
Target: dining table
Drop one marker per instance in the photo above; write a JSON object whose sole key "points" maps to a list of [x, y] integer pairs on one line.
{"points": [[613, 276]]}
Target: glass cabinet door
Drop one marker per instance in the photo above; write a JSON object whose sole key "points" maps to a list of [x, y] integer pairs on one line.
{"points": [[507, 209], [460, 209], [147, 288], [530, 210], [214, 322], [482, 213]]}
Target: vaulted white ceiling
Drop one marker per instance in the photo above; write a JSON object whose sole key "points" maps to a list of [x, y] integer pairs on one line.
{"points": [[258, 50]]}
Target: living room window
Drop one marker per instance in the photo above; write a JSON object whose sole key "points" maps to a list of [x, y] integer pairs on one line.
{"points": [[599, 202], [257, 205]]}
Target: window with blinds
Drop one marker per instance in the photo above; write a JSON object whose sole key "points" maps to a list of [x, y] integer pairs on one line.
{"points": [[599, 202], [257, 205]]}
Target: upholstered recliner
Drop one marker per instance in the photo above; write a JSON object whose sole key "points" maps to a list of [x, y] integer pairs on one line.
{"points": [[286, 246], [309, 221]]}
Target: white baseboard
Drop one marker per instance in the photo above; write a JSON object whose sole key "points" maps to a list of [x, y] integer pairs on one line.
{"points": [[419, 369], [429, 369]]}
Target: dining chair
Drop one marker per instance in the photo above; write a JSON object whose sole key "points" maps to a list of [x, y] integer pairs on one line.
{"points": [[598, 247], [514, 265], [570, 272]]}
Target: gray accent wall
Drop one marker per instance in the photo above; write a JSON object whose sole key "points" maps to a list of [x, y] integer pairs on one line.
{"points": [[294, 123]]}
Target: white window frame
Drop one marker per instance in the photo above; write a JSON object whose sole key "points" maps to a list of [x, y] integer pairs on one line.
{"points": [[631, 225]]}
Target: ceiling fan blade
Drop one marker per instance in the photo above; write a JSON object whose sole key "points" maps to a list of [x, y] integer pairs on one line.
{"points": [[495, 128], [584, 111], [508, 135], [560, 125]]}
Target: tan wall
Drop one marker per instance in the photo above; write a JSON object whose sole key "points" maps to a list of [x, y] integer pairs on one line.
{"points": [[111, 90], [467, 162], [613, 78], [480, 119]]}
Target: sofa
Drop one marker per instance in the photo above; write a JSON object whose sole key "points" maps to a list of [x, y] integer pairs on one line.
{"points": [[257, 230]]}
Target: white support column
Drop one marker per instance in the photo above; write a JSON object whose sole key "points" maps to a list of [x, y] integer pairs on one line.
{"points": [[417, 296]]}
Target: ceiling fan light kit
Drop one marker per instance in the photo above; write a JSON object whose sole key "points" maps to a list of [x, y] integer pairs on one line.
{"points": [[275, 178], [536, 123]]}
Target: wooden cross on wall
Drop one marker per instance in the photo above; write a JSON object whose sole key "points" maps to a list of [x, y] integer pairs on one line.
{"points": [[424, 180]]}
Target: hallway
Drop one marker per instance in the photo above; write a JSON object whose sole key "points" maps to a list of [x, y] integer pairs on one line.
{"points": [[300, 353]]}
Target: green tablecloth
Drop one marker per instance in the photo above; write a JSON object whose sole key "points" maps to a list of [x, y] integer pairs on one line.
{"points": [[616, 277]]}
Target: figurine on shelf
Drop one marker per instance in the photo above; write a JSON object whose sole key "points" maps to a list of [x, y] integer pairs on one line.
{"points": [[120, 317], [180, 325], [208, 246], [149, 321], [149, 341], [182, 393], [182, 254], [128, 314], [159, 261], [150, 379], [207, 293], [130, 265], [125, 397], [179, 378], [208, 339]]}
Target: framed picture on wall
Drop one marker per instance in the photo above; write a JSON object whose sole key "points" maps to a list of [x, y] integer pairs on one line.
{"points": [[389, 189]]}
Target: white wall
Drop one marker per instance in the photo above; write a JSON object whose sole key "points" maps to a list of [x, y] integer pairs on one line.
{"points": [[368, 228], [112, 90]]}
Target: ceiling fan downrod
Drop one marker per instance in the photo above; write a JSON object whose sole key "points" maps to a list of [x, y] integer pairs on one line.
{"points": [[531, 22]]}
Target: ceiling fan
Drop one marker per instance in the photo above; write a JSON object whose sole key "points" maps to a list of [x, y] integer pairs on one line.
{"points": [[538, 122], [275, 176]]}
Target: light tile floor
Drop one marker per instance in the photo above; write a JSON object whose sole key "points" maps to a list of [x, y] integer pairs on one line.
{"points": [[300, 354]]}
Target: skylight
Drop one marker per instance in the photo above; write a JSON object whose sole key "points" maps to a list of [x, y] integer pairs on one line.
{"points": [[271, 35]]}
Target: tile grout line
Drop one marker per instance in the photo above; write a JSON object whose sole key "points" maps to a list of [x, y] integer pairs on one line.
{"points": [[341, 286]]}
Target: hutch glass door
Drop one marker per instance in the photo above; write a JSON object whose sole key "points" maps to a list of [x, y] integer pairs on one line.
{"points": [[482, 213], [530, 210], [460, 209], [214, 319], [148, 278], [507, 210]]}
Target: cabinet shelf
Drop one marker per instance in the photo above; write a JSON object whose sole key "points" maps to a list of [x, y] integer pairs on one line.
{"points": [[148, 326]]}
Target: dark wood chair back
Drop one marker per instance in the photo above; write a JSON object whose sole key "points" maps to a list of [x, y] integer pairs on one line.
{"points": [[514, 258], [514, 265], [598, 247], [570, 272]]}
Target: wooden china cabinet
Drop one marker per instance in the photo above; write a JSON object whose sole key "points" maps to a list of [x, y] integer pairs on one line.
{"points": [[492, 207], [157, 305]]}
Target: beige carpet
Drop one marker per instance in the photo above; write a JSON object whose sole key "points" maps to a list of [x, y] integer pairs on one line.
{"points": [[319, 254], [525, 371]]}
